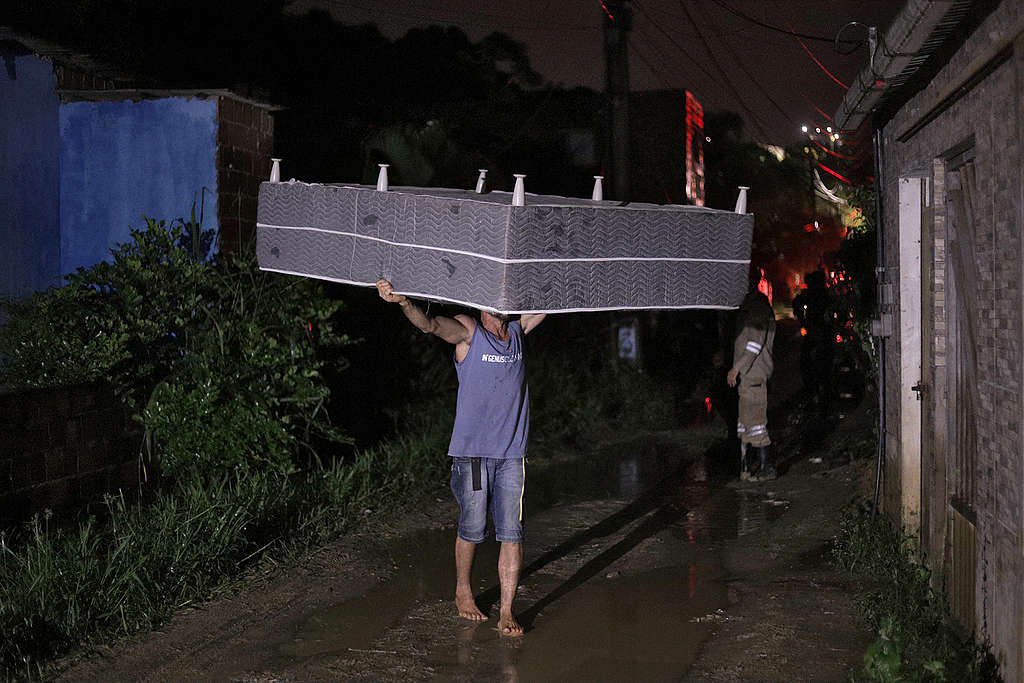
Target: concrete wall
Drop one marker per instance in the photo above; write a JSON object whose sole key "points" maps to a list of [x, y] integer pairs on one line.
{"points": [[122, 160], [30, 185], [992, 114]]}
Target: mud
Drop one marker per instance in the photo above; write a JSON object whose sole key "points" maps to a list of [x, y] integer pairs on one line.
{"points": [[645, 560]]}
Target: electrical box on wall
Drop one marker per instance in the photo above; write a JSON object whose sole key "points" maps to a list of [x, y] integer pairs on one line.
{"points": [[882, 326]]}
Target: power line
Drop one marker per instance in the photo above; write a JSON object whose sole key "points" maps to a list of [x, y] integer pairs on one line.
{"points": [[754, 119], [657, 73], [502, 23], [790, 31], [673, 16], [820, 65], [755, 81], [672, 40]]}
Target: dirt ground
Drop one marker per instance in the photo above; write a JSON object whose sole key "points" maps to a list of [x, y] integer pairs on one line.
{"points": [[646, 559]]}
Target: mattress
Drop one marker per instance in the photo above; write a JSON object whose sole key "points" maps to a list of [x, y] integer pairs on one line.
{"points": [[555, 254]]}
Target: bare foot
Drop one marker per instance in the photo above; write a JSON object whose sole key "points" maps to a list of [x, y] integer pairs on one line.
{"points": [[508, 626], [467, 607]]}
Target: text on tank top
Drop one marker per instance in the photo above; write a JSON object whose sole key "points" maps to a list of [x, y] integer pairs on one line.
{"points": [[492, 413]]}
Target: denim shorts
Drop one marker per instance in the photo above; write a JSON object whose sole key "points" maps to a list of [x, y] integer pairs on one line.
{"points": [[497, 485]]}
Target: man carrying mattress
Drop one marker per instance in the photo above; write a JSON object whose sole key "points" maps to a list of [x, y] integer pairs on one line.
{"points": [[488, 445]]}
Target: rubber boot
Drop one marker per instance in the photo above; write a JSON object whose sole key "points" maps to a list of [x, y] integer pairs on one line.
{"points": [[766, 471], [744, 461]]}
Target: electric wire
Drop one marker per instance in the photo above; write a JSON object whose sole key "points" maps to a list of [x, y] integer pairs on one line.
{"points": [[654, 22], [771, 27], [502, 22], [818, 61], [755, 81], [657, 73], [816, 108], [754, 119], [840, 32], [834, 153]]}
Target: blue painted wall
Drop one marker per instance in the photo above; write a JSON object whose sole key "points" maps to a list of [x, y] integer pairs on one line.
{"points": [[29, 179], [122, 160]]}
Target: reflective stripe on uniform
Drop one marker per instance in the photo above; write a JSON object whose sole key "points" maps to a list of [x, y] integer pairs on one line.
{"points": [[753, 347]]}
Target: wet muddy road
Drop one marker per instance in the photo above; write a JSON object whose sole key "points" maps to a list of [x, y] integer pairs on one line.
{"points": [[619, 580], [645, 560], [640, 558]]}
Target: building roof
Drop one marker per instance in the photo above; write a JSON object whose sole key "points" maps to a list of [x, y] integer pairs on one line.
{"points": [[117, 85], [919, 42]]}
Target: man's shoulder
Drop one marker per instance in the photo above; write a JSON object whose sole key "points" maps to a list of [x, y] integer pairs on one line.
{"points": [[467, 321]]}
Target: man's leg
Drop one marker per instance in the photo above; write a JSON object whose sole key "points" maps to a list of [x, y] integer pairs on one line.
{"points": [[510, 561], [464, 601], [507, 511], [469, 491]]}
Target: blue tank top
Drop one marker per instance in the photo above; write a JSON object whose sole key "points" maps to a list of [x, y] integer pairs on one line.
{"points": [[492, 414]]}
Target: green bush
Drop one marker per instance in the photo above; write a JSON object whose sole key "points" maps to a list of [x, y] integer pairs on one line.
{"points": [[219, 361], [918, 639]]}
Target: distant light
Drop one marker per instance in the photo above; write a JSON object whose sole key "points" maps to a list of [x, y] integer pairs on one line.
{"points": [[817, 130], [707, 139], [803, 128], [828, 128], [835, 135], [816, 226]]}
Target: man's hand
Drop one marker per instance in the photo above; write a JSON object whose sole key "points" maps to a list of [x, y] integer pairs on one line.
{"points": [[732, 377], [387, 292]]}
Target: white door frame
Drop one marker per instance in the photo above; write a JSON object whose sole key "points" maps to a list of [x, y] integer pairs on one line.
{"points": [[911, 201]]}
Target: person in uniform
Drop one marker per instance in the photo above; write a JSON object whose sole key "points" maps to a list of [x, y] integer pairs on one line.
{"points": [[752, 367]]}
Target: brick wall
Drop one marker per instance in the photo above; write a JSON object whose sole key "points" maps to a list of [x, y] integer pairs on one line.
{"points": [[62, 448], [991, 113], [69, 78], [245, 143]]}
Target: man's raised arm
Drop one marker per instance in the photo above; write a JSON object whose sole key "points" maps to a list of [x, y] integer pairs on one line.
{"points": [[458, 330]]}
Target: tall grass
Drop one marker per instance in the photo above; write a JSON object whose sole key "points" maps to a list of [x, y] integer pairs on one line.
{"points": [[918, 639], [130, 571]]}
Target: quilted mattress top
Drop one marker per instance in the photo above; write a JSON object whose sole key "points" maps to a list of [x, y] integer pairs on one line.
{"points": [[552, 254]]}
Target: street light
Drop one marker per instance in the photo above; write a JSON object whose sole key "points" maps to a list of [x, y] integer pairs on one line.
{"points": [[803, 128]]}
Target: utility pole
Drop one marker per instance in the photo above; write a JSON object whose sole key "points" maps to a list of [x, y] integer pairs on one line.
{"points": [[618, 21]]}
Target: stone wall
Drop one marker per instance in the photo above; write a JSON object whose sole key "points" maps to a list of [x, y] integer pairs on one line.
{"points": [[245, 142], [991, 115], [63, 447]]}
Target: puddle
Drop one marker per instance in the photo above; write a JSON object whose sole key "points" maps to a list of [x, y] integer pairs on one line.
{"points": [[643, 627], [425, 572], [623, 470], [592, 625]]}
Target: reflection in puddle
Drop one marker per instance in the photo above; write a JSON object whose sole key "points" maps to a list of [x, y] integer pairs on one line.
{"points": [[629, 478], [425, 571], [644, 627], [593, 625]]}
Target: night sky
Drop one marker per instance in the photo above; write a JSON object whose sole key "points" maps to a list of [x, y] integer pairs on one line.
{"points": [[769, 77]]}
